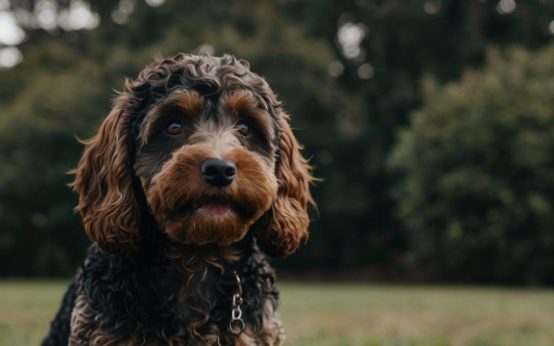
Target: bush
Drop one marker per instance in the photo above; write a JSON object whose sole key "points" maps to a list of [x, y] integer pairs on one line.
{"points": [[477, 192]]}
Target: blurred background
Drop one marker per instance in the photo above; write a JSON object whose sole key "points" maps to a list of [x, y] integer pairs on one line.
{"points": [[430, 122]]}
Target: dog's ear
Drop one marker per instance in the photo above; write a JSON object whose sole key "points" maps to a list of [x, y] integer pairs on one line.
{"points": [[103, 180], [285, 226]]}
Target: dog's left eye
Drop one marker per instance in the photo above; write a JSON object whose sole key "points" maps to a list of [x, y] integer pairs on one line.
{"points": [[174, 128], [243, 129]]}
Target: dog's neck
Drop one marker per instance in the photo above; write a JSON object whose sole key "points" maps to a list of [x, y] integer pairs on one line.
{"points": [[193, 257]]}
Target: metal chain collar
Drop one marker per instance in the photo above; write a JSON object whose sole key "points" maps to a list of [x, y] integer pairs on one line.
{"points": [[237, 325]]}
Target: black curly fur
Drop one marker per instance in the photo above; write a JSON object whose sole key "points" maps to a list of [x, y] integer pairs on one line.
{"points": [[127, 295], [145, 292], [59, 328]]}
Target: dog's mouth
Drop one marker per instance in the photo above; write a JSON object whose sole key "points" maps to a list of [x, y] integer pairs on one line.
{"points": [[213, 207]]}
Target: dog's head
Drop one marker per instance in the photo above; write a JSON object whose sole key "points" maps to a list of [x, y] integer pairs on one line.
{"points": [[208, 145]]}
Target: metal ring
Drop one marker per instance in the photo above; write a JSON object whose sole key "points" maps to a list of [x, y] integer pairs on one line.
{"points": [[236, 314], [239, 287], [236, 327]]}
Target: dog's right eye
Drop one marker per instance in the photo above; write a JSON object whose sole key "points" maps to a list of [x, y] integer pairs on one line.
{"points": [[174, 128]]}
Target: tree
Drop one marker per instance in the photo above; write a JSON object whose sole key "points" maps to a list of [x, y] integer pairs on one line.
{"points": [[477, 192], [349, 72], [65, 85]]}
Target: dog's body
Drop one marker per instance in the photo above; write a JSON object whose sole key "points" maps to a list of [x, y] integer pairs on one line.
{"points": [[193, 174], [159, 301]]}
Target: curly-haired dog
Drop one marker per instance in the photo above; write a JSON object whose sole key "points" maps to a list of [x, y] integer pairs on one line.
{"points": [[193, 173]]}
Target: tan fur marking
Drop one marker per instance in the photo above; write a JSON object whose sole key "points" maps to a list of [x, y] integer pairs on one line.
{"points": [[243, 105], [189, 103], [253, 189], [220, 137]]}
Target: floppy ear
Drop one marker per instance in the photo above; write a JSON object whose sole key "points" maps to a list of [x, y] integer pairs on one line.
{"points": [[103, 180], [286, 224]]}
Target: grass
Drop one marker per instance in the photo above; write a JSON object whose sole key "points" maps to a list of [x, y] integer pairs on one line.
{"points": [[341, 314]]}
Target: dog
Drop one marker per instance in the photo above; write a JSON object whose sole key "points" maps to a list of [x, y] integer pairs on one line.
{"points": [[193, 177]]}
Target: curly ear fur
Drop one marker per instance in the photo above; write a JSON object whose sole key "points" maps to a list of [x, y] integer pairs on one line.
{"points": [[286, 224], [103, 180]]}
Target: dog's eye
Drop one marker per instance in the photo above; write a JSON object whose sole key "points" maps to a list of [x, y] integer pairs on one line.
{"points": [[174, 128], [243, 129]]}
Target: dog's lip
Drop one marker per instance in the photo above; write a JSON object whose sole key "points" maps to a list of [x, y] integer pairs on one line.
{"points": [[215, 208], [213, 204]]}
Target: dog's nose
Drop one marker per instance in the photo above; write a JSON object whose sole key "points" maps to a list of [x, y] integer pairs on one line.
{"points": [[218, 172]]}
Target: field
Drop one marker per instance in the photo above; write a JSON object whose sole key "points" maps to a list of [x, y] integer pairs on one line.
{"points": [[346, 314]]}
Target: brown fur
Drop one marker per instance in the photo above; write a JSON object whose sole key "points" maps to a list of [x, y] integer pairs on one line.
{"points": [[243, 104], [168, 197], [188, 102], [103, 181], [109, 210], [287, 227], [269, 195]]}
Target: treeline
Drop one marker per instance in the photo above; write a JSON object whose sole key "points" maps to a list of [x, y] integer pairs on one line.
{"points": [[432, 134]]}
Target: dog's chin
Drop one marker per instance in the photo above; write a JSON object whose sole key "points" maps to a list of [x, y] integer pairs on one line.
{"points": [[211, 222]]}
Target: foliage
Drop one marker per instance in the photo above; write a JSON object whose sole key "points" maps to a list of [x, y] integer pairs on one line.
{"points": [[347, 120], [65, 87], [478, 189]]}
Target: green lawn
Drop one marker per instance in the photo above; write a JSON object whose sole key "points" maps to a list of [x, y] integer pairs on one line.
{"points": [[339, 314]]}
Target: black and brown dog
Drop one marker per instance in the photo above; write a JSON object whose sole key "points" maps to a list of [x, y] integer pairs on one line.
{"points": [[191, 176]]}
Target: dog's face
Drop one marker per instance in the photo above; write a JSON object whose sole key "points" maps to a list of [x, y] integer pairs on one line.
{"points": [[210, 148], [207, 165]]}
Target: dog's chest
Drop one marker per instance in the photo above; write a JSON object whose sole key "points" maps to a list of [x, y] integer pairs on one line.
{"points": [[159, 305]]}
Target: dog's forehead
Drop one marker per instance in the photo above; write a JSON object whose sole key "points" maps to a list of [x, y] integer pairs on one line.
{"points": [[234, 102], [209, 113], [217, 87]]}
